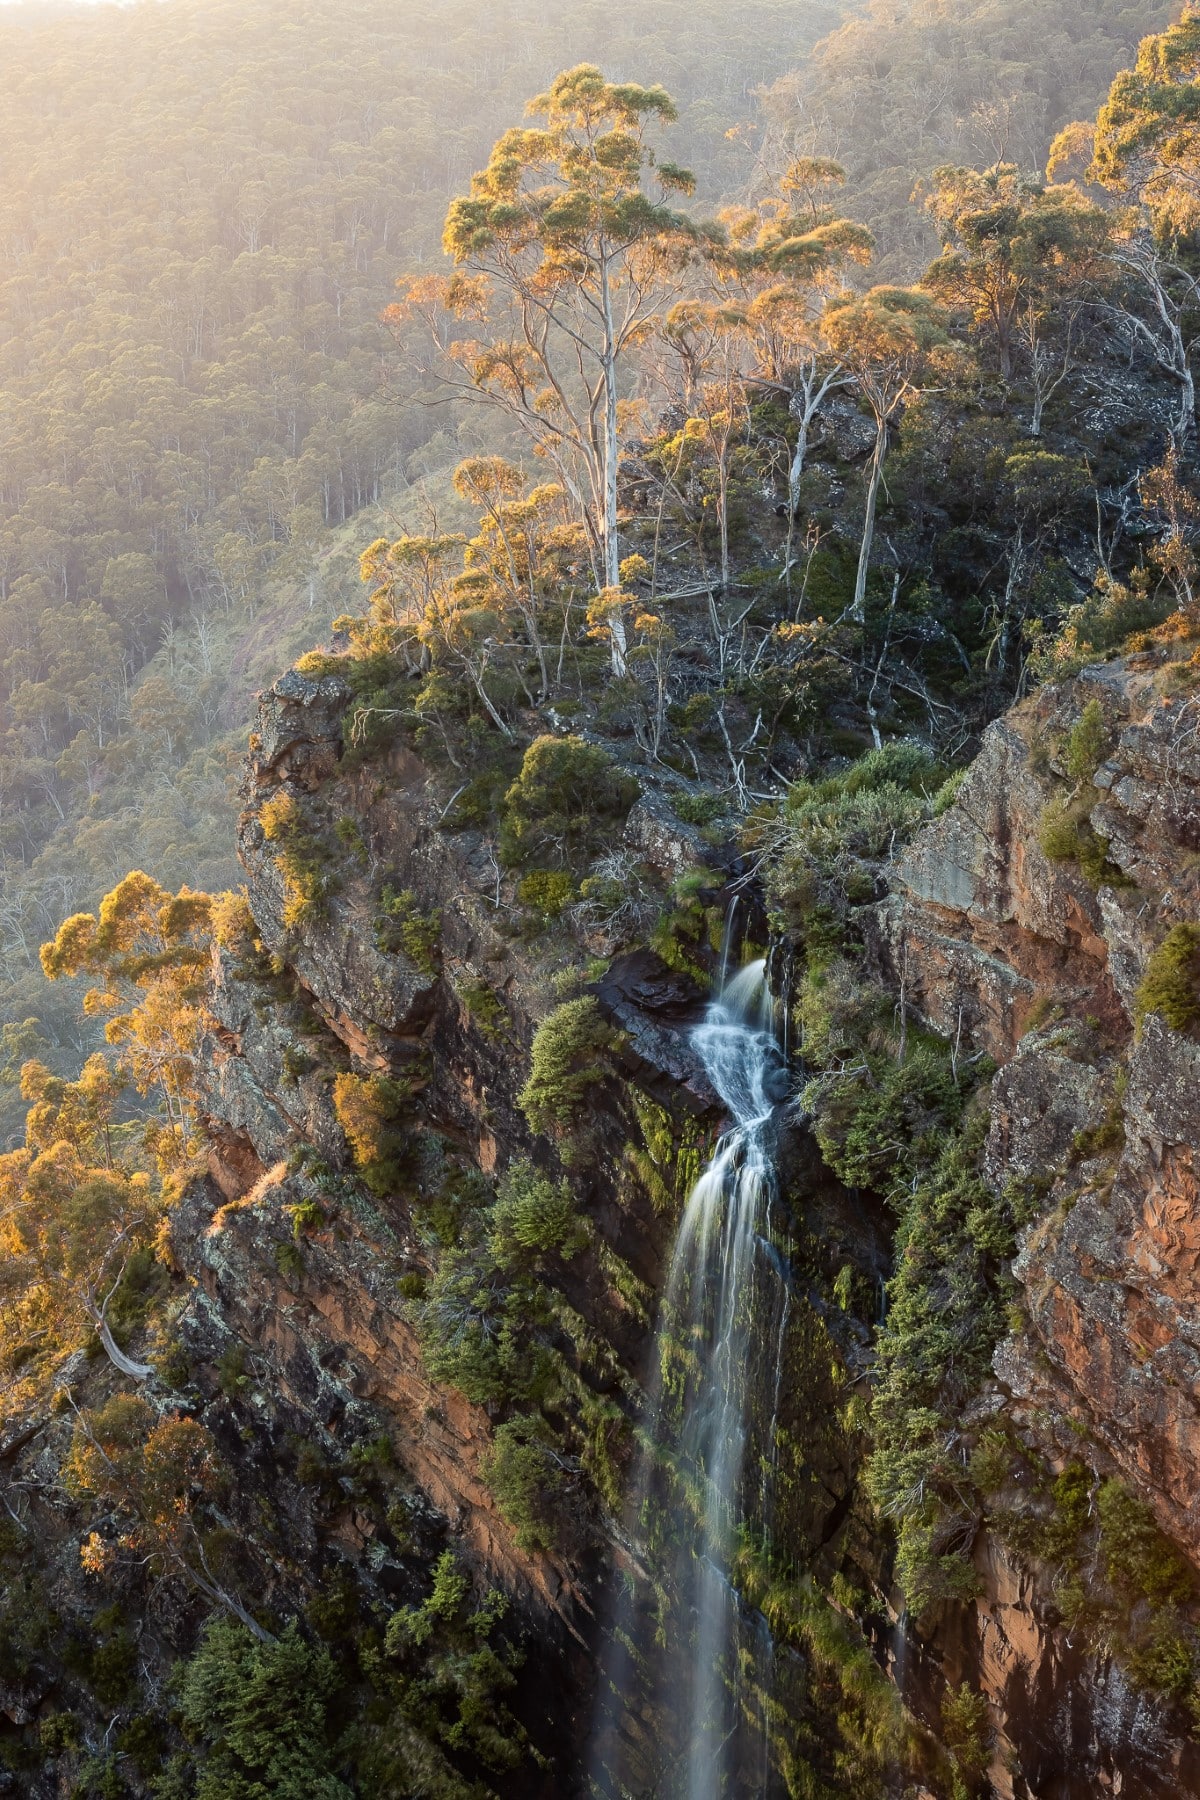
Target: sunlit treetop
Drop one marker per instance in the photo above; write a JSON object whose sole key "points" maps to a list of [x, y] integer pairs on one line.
{"points": [[1147, 140]]}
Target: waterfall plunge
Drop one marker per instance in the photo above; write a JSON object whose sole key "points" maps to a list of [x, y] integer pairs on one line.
{"points": [[675, 1642]]}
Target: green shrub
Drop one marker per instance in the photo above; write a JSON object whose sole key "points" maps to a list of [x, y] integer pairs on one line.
{"points": [[349, 835], [478, 1323], [1066, 835], [1059, 832], [525, 1473], [402, 926], [368, 1108], [1171, 985], [231, 1371], [830, 835], [1138, 1559], [568, 799], [1086, 743], [568, 1059], [1162, 1658], [258, 1715], [59, 1732], [690, 930], [305, 862], [534, 1217], [966, 1731], [485, 1008], [865, 1123], [699, 809], [440, 1674], [546, 892], [948, 793]]}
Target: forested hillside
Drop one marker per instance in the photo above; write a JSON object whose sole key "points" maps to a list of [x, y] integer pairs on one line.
{"points": [[205, 211], [901, 88]]}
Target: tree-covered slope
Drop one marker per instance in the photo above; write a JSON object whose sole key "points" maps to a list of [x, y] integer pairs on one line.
{"points": [[204, 211]]}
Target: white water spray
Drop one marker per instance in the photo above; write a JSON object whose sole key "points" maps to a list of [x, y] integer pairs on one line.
{"points": [[681, 1652]]}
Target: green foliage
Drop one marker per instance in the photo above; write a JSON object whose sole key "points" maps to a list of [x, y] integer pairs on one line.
{"points": [[568, 800], [485, 1009], [830, 835], [894, 1115], [524, 1469], [401, 925], [568, 1059], [259, 1717], [1112, 616], [58, 1732], [1138, 1559], [699, 809], [440, 1674], [349, 835], [689, 932], [307, 864], [231, 1371], [667, 1163], [1119, 1582], [534, 1217], [947, 794], [1086, 743], [546, 892], [483, 1313], [1171, 984], [369, 1109], [871, 1732], [1065, 835], [946, 1313], [966, 1731]]}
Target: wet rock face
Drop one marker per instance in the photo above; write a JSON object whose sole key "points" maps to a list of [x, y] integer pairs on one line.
{"points": [[332, 1328], [1067, 1724], [982, 929]]}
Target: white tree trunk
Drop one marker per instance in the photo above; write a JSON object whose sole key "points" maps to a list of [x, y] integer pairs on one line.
{"points": [[858, 609], [612, 546]]}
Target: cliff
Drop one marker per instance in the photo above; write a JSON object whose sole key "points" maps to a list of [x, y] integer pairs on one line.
{"points": [[1008, 937], [1022, 923]]}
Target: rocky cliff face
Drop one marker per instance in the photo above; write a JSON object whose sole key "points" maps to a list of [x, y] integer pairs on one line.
{"points": [[320, 1312], [1012, 950], [1005, 946]]}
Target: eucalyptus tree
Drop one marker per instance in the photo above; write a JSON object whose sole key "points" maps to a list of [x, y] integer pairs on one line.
{"points": [[1024, 261], [783, 260], [564, 260], [887, 340], [1145, 148]]}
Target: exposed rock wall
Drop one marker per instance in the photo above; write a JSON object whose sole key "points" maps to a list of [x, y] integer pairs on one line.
{"points": [[329, 1320], [1016, 953]]}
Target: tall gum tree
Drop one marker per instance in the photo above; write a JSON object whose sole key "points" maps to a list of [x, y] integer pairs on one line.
{"points": [[564, 259], [1024, 261], [1145, 148], [787, 257], [887, 340]]}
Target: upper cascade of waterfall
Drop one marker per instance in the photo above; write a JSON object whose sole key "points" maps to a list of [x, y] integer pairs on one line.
{"points": [[737, 1045]]}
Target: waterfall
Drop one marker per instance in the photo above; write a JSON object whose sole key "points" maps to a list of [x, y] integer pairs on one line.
{"points": [[674, 1662]]}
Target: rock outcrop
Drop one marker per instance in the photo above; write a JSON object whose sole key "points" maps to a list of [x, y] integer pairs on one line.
{"points": [[1096, 1117], [322, 1312]]}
